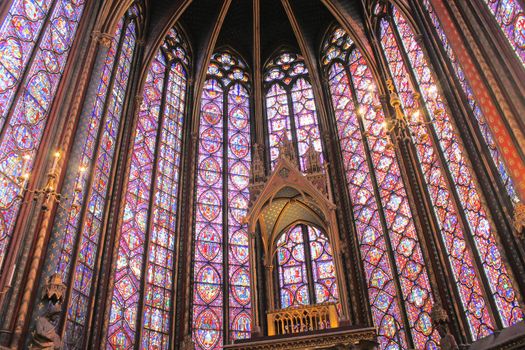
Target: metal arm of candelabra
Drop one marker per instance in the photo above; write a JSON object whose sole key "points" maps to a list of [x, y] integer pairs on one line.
{"points": [[47, 192], [399, 126]]}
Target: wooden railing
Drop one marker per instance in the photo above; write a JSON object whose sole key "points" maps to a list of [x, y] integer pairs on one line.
{"points": [[305, 318]]}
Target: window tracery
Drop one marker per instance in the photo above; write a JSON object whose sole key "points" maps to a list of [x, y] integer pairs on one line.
{"points": [[145, 258], [450, 184], [290, 107], [395, 270], [221, 288]]}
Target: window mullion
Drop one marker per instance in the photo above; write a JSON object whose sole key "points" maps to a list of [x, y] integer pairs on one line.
{"points": [[151, 204], [309, 264], [225, 209]]}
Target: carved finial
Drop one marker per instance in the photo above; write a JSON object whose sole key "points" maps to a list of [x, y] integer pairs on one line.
{"points": [[257, 174], [286, 149], [313, 159], [519, 220]]}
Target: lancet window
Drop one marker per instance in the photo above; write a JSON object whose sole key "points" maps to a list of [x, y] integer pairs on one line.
{"points": [[483, 284], [144, 268], [290, 106], [395, 270], [221, 288]]}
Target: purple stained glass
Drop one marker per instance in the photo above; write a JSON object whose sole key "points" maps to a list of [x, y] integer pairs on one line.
{"points": [[379, 272], [470, 199], [238, 197], [161, 115], [306, 124], [461, 260], [290, 106], [221, 241], [354, 97], [160, 258], [323, 267], [473, 104], [95, 195], [122, 326], [511, 18], [277, 113], [305, 268], [24, 119], [19, 33], [292, 269]]}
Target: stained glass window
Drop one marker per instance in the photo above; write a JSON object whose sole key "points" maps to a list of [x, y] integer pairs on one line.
{"points": [[35, 42], [290, 106], [222, 298], [306, 268], [511, 17], [85, 209], [457, 204], [473, 104], [150, 207], [388, 241]]}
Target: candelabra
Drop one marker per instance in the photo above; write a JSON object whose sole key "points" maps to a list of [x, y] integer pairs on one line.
{"points": [[48, 192], [399, 127]]}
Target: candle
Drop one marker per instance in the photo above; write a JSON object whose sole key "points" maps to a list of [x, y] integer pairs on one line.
{"points": [[11, 275], [25, 164], [55, 161], [25, 179]]}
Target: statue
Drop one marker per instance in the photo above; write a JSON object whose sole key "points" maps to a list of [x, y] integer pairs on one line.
{"points": [[440, 320], [45, 335]]}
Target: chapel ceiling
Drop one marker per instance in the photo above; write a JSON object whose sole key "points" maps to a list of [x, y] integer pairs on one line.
{"points": [[199, 17]]}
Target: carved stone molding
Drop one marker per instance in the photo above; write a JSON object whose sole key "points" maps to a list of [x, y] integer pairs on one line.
{"points": [[519, 220], [104, 39]]}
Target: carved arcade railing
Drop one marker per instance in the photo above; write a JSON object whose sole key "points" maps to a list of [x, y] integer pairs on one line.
{"points": [[305, 318]]}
